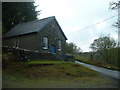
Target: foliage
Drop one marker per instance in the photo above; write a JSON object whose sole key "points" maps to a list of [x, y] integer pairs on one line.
{"points": [[7, 58], [98, 63], [14, 13], [103, 43], [115, 6], [82, 59], [72, 48], [105, 48]]}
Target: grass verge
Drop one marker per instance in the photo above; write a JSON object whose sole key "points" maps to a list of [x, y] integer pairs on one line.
{"points": [[96, 63]]}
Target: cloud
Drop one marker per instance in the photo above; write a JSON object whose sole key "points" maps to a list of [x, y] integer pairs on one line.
{"points": [[59, 8], [74, 15], [100, 25], [71, 29]]}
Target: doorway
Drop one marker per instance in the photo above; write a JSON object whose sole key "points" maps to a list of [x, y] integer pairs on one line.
{"points": [[53, 49]]}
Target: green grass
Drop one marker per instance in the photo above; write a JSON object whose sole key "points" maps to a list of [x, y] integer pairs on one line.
{"points": [[50, 74], [96, 62], [83, 59], [78, 82], [24, 74]]}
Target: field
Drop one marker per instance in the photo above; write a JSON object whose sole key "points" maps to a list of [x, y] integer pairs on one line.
{"points": [[52, 74]]}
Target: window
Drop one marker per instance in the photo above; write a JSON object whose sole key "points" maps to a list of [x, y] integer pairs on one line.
{"points": [[59, 45], [45, 43]]}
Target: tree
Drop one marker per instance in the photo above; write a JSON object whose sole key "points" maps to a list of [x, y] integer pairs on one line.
{"points": [[116, 6], [14, 13], [72, 48], [103, 46]]}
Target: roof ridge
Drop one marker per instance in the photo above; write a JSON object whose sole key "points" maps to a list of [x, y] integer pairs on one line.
{"points": [[37, 20], [46, 18]]}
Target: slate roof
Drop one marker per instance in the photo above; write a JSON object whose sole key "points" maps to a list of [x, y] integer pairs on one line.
{"points": [[30, 27]]}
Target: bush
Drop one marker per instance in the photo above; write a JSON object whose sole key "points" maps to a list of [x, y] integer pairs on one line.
{"points": [[7, 58]]}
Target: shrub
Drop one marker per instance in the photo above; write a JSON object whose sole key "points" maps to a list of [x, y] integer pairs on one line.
{"points": [[7, 58]]}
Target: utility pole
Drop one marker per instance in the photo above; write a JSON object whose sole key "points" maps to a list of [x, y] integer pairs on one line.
{"points": [[119, 24]]}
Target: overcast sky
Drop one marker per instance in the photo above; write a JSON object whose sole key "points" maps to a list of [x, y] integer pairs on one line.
{"points": [[74, 15]]}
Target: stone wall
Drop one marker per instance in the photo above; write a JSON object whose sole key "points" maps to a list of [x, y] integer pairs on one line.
{"points": [[26, 55]]}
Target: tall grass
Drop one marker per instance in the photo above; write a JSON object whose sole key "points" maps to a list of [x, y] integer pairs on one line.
{"points": [[98, 63], [82, 59]]}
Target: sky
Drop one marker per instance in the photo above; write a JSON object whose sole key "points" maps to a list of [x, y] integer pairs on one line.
{"points": [[75, 15]]}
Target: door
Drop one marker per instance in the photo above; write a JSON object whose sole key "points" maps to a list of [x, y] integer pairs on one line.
{"points": [[53, 49]]}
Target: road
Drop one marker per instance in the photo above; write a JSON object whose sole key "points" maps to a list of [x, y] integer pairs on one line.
{"points": [[112, 73]]}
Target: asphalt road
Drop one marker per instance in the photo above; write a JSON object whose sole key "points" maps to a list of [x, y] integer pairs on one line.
{"points": [[112, 73]]}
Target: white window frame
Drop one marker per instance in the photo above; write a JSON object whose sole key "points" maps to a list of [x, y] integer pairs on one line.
{"points": [[45, 42]]}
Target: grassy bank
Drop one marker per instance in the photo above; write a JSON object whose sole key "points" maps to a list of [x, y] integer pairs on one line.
{"points": [[43, 68], [45, 74], [52, 74], [96, 62]]}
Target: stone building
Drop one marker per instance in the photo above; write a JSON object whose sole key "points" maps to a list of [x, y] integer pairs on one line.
{"points": [[44, 35]]}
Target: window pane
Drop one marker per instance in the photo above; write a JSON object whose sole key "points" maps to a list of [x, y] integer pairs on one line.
{"points": [[45, 43]]}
